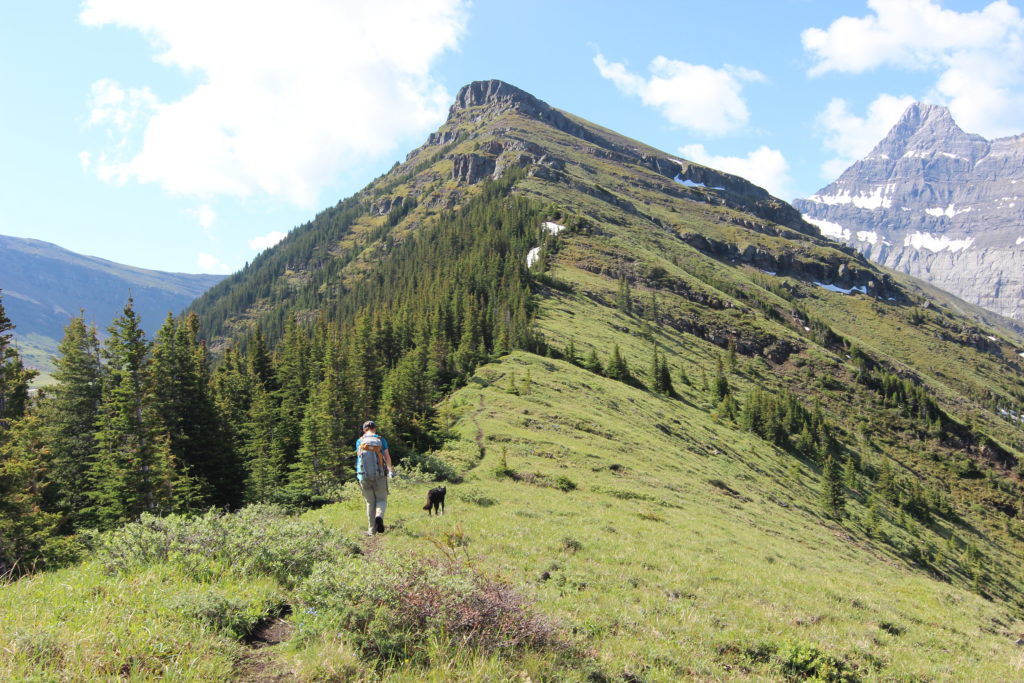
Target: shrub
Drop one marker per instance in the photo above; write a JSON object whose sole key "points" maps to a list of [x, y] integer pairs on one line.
{"points": [[565, 484], [802, 661], [477, 497], [261, 540], [394, 608]]}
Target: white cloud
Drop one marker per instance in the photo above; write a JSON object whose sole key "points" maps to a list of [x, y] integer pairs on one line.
{"points": [[209, 263], [266, 241], [978, 56], [764, 167], [204, 215], [690, 95], [85, 160], [288, 95], [850, 136]]}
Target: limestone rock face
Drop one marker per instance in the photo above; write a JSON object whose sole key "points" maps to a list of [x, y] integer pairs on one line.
{"points": [[938, 203]]}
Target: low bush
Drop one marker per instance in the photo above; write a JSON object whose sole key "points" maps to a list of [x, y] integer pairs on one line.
{"points": [[396, 608], [260, 540]]}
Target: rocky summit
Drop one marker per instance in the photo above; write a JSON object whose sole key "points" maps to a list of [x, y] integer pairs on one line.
{"points": [[938, 203]]}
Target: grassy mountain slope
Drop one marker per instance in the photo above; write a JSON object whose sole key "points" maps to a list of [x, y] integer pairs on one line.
{"points": [[661, 536], [44, 285]]}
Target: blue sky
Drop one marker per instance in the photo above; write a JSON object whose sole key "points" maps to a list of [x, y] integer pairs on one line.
{"points": [[188, 135]]}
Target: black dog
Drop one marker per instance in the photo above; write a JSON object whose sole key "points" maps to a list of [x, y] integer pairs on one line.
{"points": [[435, 500]]}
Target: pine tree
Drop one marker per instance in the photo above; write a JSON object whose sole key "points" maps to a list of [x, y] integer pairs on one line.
{"points": [[730, 357], [69, 416], [662, 375], [407, 413], [184, 403], [292, 378], [320, 464], [593, 363], [624, 297], [25, 527], [133, 471], [264, 459], [720, 387], [617, 367], [833, 496], [570, 351], [14, 377]]}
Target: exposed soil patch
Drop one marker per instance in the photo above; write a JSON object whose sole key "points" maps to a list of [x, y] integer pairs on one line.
{"points": [[270, 630], [259, 664]]}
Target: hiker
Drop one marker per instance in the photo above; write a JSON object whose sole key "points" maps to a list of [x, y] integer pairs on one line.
{"points": [[373, 467]]}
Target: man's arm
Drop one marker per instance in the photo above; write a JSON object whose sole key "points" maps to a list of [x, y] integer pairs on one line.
{"points": [[387, 460]]}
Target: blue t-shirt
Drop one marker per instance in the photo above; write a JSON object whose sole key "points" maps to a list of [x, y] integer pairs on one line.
{"points": [[359, 464]]}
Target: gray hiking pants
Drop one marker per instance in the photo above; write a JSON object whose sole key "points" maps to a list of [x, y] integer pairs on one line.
{"points": [[376, 495]]}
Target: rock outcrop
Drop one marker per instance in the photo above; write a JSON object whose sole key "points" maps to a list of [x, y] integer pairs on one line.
{"points": [[937, 203]]}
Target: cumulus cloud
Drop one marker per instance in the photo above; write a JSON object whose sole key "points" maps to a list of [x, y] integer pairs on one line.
{"points": [[693, 96], [209, 263], [266, 241], [765, 167], [850, 136], [978, 56], [287, 95], [204, 215]]}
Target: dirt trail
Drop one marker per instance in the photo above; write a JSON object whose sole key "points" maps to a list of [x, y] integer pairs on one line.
{"points": [[258, 664]]}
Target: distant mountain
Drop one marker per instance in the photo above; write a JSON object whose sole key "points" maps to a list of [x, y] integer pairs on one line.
{"points": [[44, 285], [937, 203]]}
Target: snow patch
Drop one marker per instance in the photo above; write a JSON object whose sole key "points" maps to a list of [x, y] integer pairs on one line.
{"points": [[867, 236], [949, 211], [1019, 240], [690, 183], [829, 229], [553, 228], [532, 257], [951, 156], [875, 200], [926, 240], [991, 338], [833, 288]]}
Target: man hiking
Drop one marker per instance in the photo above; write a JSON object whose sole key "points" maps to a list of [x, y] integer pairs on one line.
{"points": [[373, 467]]}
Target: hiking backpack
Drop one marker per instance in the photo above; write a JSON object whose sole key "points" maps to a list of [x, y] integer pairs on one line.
{"points": [[371, 457]]}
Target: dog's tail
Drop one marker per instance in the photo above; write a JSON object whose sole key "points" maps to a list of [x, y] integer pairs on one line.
{"points": [[427, 506]]}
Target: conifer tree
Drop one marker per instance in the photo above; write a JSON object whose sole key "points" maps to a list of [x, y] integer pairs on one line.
{"points": [[720, 387], [25, 527], [291, 372], [833, 497], [662, 375], [593, 363], [184, 403], [264, 458], [232, 387], [260, 364], [617, 367], [69, 415], [570, 351], [14, 377], [320, 464], [133, 471], [406, 413], [624, 296]]}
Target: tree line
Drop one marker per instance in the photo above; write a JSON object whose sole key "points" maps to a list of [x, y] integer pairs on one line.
{"points": [[135, 425]]}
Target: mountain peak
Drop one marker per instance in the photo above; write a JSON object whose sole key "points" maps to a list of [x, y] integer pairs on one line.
{"points": [[496, 94], [925, 127]]}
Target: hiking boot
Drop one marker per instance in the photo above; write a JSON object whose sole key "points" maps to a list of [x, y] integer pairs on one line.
{"points": [[379, 525]]}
